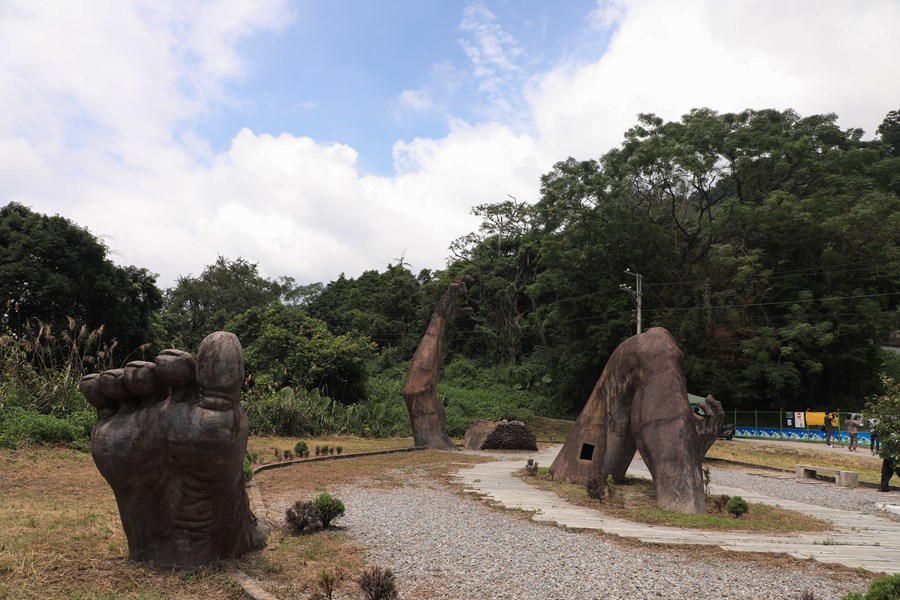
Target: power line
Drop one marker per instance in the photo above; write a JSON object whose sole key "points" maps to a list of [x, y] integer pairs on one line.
{"points": [[609, 314]]}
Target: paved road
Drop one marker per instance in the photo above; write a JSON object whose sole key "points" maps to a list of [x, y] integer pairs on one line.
{"points": [[861, 540]]}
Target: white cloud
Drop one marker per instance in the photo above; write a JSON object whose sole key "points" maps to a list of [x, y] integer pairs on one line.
{"points": [[494, 54], [417, 100], [96, 106], [669, 57]]}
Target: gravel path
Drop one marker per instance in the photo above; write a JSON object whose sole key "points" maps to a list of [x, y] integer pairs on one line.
{"points": [[444, 546], [785, 486]]}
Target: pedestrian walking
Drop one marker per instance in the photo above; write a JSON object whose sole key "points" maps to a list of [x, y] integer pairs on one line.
{"points": [[874, 444], [852, 426], [888, 468], [828, 427]]}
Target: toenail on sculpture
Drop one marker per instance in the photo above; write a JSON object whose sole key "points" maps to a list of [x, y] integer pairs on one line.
{"points": [[170, 441]]}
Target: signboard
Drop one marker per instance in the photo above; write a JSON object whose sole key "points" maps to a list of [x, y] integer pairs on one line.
{"points": [[815, 419], [799, 420]]}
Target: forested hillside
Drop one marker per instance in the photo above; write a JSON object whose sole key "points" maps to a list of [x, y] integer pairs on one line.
{"points": [[767, 243]]}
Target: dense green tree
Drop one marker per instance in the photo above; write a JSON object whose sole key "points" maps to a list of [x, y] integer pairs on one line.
{"points": [[503, 257], [283, 346], [384, 306], [587, 240], [768, 243], [197, 306], [885, 409], [889, 130], [52, 269]]}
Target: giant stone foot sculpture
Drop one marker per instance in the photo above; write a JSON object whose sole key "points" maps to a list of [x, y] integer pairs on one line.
{"points": [[640, 403], [426, 412], [170, 441]]}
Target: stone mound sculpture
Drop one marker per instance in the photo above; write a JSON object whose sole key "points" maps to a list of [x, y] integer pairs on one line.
{"points": [[170, 441], [640, 403], [426, 412], [500, 435]]}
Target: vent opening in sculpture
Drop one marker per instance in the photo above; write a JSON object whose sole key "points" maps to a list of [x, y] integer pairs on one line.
{"points": [[587, 452]]}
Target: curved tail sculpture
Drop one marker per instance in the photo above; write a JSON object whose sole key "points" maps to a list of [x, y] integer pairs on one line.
{"points": [[426, 413]]}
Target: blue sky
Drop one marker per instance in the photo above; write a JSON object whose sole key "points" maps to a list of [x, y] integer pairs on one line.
{"points": [[316, 138], [335, 73]]}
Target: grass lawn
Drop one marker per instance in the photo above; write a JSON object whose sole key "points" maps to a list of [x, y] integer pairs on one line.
{"points": [[265, 446], [634, 500], [550, 430], [787, 455], [61, 536]]}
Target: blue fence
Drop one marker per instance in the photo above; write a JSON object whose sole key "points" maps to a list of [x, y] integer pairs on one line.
{"points": [[799, 435], [780, 425]]}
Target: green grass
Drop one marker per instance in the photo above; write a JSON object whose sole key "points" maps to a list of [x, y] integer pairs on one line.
{"points": [[788, 455], [634, 500], [550, 430]]}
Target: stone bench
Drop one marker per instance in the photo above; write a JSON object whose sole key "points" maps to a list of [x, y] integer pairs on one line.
{"points": [[848, 479]]}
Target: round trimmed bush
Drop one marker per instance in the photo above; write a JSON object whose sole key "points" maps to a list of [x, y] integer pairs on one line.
{"points": [[737, 506]]}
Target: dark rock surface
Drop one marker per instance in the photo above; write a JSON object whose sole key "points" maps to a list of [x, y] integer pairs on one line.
{"points": [[500, 435]]}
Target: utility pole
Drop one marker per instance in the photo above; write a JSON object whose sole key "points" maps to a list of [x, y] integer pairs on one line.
{"points": [[635, 295]]}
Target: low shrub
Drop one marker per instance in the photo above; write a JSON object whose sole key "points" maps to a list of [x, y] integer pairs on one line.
{"points": [[720, 502], [737, 506], [19, 427], [286, 412], [329, 508], [881, 588], [300, 448], [306, 515], [596, 488], [610, 487], [496, 401], [327, 582], [248, 467], [302, 516], [378, 583]]}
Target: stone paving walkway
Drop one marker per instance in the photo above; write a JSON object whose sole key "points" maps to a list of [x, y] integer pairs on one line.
{"points": [[866, 541]]}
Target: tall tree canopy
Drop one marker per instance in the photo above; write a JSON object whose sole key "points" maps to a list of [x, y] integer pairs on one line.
{"points": [[503, 257], [889, 130], [197, 306], [285, 347], [767, 242], [51, 269], [386, 307]]}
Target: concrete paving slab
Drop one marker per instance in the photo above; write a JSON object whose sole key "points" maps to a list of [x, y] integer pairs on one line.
{"points": [[861, 540]]}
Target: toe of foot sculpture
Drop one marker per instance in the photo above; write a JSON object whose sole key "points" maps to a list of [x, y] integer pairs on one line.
{"points": [[170, 441], [640, 403]]}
